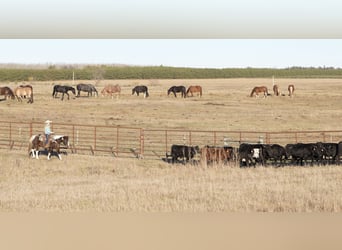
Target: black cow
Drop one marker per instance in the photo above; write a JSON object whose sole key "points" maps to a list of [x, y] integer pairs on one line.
{"points": [[339, 153], [251, 154], [185, 153], [302, 152], [274, 152], [330, 152]]}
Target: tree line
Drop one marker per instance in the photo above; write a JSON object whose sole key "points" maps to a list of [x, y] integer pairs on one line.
{"points": [[160, 72]]}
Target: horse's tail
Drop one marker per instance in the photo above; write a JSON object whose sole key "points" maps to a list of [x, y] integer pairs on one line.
{"points": [[30, 146], [147, 94], [54, 92], [251, 95], [266, 91], [188, 91], [200, 91], [31, 99]]}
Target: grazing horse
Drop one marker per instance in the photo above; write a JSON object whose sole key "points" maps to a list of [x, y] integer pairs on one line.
{"points": [[7, 92], [194, 89], [64, 90], [37, 142], [24, 91], [140, 89], [177, 89], [257, 90], [276, 90], [111, 89], [89, 88], [291, 89]]}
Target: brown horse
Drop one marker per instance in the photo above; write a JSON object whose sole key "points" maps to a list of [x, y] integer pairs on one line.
{"points": [[257, 90], [194, 89], [24, 91], [276, 90], [37, 142], [291, 90], [110, 90], [7, 92]]}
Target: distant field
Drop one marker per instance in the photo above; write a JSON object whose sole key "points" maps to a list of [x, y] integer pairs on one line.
{"points": [[112, 184]]}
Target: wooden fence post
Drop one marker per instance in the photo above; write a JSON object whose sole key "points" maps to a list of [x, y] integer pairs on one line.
{"points": [[141, 142]]}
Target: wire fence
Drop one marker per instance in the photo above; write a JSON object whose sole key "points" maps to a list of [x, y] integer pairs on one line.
{"points": [[148, 143]]}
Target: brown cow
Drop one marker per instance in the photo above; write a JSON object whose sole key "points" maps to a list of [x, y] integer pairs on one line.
{"points": [[218, 155]]}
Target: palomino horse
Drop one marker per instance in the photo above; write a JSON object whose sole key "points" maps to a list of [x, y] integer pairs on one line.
{"points": [[7, 92], [37, 142], [24, 91], [89, 88], [110, 90], [276, 90], [140, 89], [291, 89], [177, 89], [257, 90], [63, 89], [194, 89]]}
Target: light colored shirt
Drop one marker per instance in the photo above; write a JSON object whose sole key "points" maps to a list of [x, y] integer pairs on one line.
{"points": [[47, 129]]}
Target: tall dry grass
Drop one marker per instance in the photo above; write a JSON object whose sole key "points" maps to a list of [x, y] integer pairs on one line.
{"points": [[87, 183]]}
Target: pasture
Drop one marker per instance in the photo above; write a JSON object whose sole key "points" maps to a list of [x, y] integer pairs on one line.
{"points": [[84, 182]]}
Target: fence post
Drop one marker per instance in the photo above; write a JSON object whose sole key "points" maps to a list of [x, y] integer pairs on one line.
{"points": [[323, 136], [117, 141], [141, 142], [31, 129], [94, 138], [165, 141], [267, 138], [10, 133]]}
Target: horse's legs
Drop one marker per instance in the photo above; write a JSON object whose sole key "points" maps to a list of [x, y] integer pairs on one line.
{"points": [[32, 153], [37, 153], [62, 96]]}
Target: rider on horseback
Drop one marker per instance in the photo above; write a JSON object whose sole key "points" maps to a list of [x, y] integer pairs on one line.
{"points": [[47, 132]]}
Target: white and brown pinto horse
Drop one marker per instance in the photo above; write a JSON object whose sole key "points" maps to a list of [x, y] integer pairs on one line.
{"points": [[24, 91], [110, 90], [259, 90], [291, 89], [38, 141]]}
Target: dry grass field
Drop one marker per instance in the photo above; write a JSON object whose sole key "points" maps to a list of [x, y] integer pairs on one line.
{"points": [[87, 183]]}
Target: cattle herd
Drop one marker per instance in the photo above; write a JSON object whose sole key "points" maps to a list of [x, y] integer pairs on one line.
{"points": [[247, 155]]}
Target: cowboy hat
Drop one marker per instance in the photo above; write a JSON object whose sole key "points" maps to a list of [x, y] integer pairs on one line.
{"points": [[48, 121]]}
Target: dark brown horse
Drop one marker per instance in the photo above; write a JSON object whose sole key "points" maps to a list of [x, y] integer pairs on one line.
{"points": [[7, 92], [177, 89], [291, 89], [259, 90], [276, 90], [37, 142], [24, 91], [194, 89]]}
